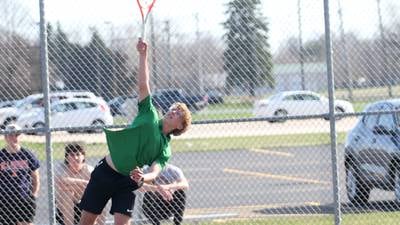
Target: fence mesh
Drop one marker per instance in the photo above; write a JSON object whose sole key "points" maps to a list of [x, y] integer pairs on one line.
{"points": [[253, 73]]}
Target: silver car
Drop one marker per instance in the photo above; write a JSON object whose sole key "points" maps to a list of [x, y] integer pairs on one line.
{"points": [[372, 152]]}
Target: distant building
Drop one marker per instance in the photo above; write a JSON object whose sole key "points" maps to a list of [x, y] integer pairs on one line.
{"points": [[288, 77]]}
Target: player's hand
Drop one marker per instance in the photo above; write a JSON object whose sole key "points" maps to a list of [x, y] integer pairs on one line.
{"points": [[141, 47], [137, 175], [35, 195], [166, 194]]}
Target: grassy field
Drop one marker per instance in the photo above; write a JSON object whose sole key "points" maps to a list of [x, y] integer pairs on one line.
{"points": [[205, 144], [371, 94], [382, 218]]}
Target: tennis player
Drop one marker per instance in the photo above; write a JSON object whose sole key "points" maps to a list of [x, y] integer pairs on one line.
{"points": [[144, 142]]}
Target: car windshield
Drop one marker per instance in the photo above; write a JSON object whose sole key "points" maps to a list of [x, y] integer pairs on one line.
{"points": [[398, 117], [27, 102], [21, 103], [273, 97]]}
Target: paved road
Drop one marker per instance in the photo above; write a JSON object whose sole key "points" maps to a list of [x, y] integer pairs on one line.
{"points": [[258, 182], [252, 182], [223, 130]]}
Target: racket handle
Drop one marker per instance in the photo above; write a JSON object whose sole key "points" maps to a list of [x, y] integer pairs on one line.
{"points": [[143, 31]]}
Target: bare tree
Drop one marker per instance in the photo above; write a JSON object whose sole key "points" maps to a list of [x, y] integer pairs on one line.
{"points": [[13, 17]]}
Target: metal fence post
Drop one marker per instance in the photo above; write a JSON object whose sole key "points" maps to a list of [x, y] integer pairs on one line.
{"points": [[44, 72], [334, 155]]}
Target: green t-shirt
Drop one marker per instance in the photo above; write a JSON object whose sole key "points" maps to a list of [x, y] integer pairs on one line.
{"points": [[142, 143]]}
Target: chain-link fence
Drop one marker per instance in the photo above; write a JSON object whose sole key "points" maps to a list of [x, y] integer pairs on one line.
{"points": [[295, 122]]}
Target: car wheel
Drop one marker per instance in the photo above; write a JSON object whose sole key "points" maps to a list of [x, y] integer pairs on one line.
{"points": [[281, 113], [339, 110], [97, 123], [397, 185], [38, 125], [8, 121], [357, 191]]}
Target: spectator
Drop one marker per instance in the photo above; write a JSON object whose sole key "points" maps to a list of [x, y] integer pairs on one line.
{"points": [[71, 179], [166, 196], [19, 180]]}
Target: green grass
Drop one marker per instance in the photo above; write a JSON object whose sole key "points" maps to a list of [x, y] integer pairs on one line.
{"points": [[359, 106], [202, 144], [384, 218], [92, 150], [279, 220], [367, 93], [272, 141]]}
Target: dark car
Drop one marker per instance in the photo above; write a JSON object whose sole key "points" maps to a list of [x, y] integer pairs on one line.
{"points": [[372, 152], [215, 97], [116, 103], [164, 98]]}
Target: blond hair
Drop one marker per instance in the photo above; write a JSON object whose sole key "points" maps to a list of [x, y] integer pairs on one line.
{"points": [[186, 117]]}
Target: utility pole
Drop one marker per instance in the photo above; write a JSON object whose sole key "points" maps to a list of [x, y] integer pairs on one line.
{"points": [[198, 57], [154, 67], [386, 73], [113, 76], [96, 63], [169, 64], [347, 74], [301, 48]]}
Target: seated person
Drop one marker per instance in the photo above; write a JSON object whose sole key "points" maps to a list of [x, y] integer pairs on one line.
{"points": [[71, 179], [166, 196]]}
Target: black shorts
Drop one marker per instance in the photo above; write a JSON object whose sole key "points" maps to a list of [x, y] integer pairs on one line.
{"points": [[60, 216], [106, 183], [15, 209]]}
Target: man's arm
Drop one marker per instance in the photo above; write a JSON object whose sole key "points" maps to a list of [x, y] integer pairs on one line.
{"points": [[35, 183], [177, 185], [154, 171], [143, 72], [181, 184], [166, 190], [72, 182], [138, 176]]}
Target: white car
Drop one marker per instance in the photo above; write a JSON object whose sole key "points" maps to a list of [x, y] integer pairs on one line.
{"points": [[10, 114], [295, 103], [69, 113]]}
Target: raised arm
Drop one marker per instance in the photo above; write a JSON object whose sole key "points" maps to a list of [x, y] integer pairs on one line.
{"points": [[143, 72]]}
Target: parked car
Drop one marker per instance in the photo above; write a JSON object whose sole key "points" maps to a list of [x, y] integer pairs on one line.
{"points": [[71, 112], [8, 103], [215, 97], [372, 152], [297, 103], [130, 107], [116, 103], [10, 114], [164, 98]]}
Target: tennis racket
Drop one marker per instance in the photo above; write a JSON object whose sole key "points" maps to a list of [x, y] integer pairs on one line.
{"points": [[145, 7]]}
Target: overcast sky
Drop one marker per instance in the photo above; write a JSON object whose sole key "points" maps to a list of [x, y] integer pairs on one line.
{"points": [[360, 16]]}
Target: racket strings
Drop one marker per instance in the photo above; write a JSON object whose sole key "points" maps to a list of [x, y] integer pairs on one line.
{"points": [[145, 7]]}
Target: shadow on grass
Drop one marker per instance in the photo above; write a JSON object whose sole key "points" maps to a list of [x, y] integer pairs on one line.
{"points": [[347, 208]]}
